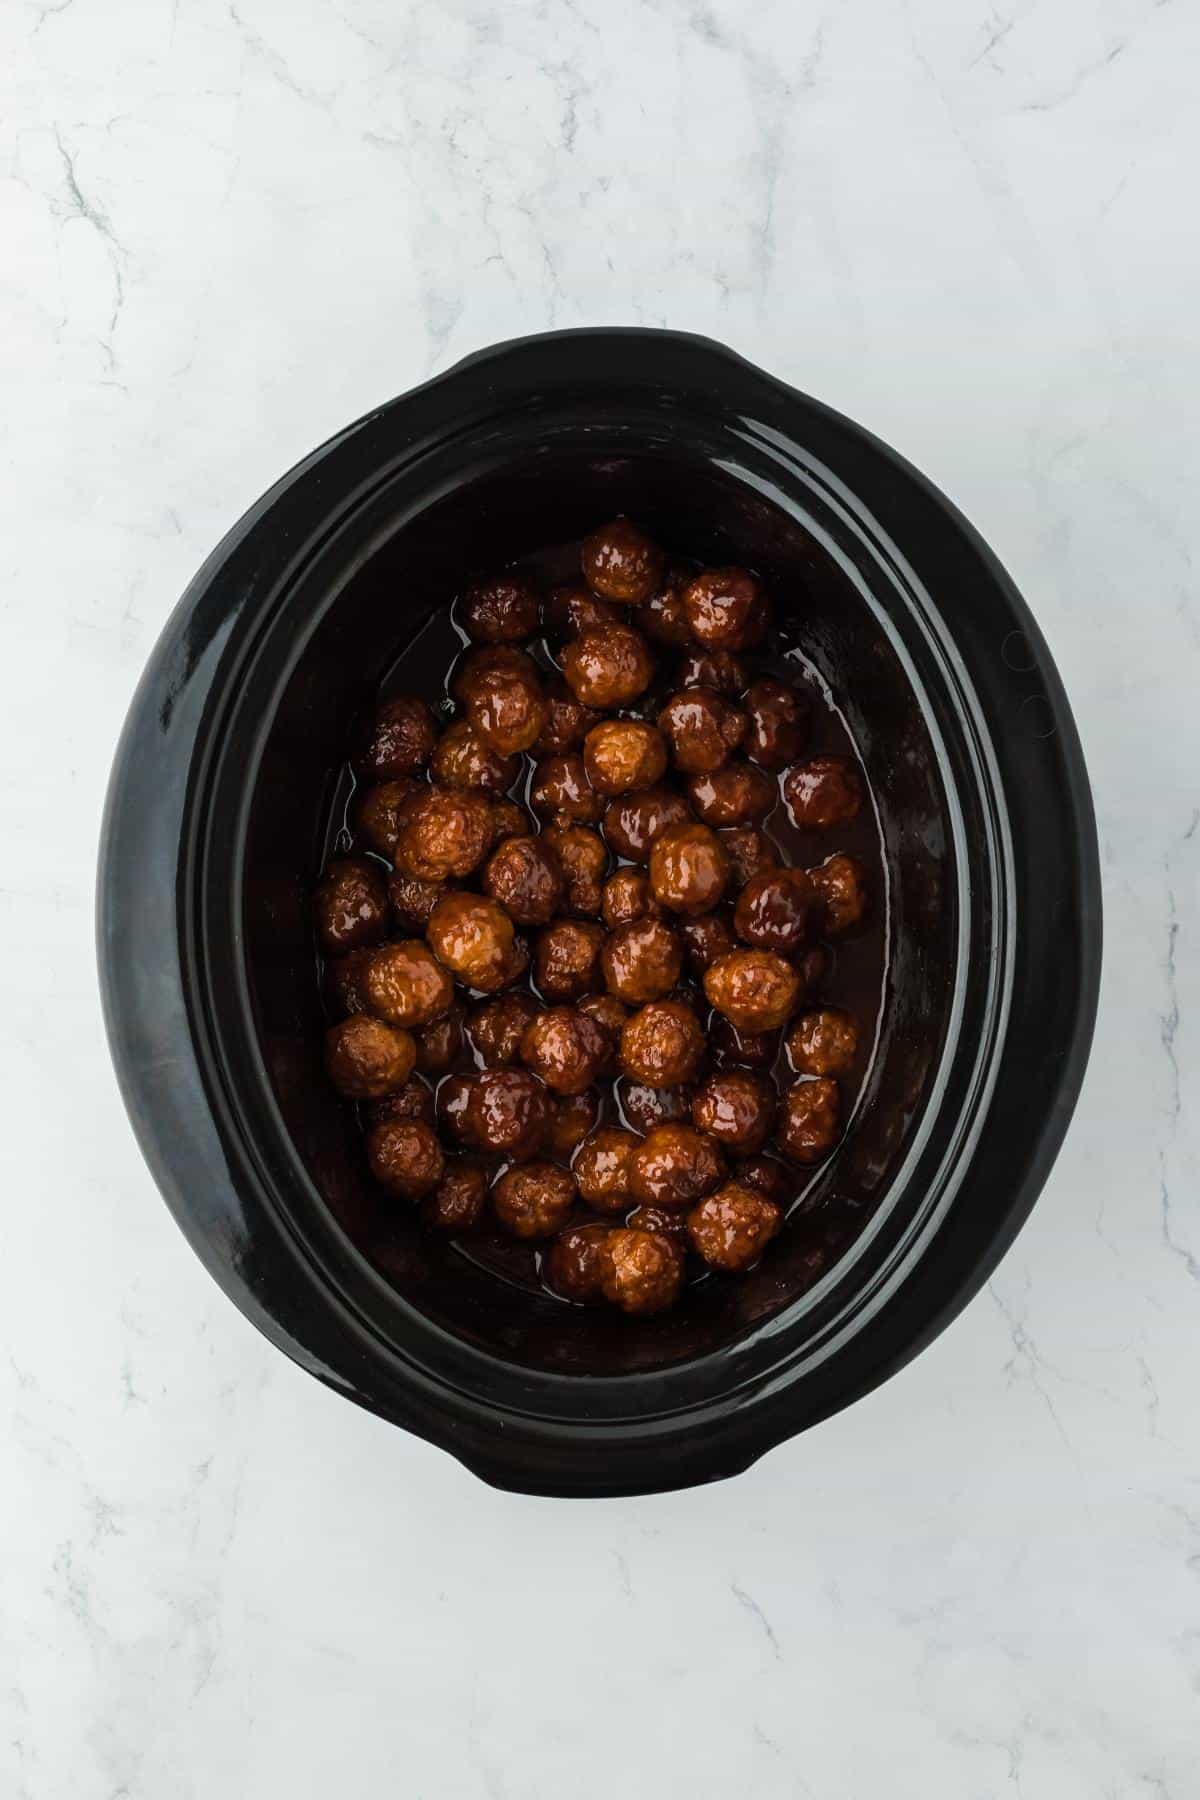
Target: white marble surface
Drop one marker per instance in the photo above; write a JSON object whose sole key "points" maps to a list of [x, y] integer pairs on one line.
{"points": [[226, 230]]}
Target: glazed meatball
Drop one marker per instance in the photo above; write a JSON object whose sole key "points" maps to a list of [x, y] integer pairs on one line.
{"points": [[496, 1028], [755, 989], [508, 820], [739, 794], [601, 1170], [776, 717], [824, 791], [560, 790], [507, 1111], [405, 1157], [645, 1107], [461, 759], [364, 1058], [571, 608], [778, 911], [565, 1048], [533, 1201], [351, 905], [583, 860], [500, 611], [642, 961], [575, 1261], [663, 1221], [706, 938], [736, 1108], [689, 869], [413, 900], [501, 693], [620, 754], [641, 1272], [726, 609], [634, 820], [734, 1049], [567, 721], [808, 1120], [473, 938], [750, 852], [456, 1204], [445, 833], [609, 1014], [439, 1043], [406, 985], [608, 667], [413, 1101], [702, 729], [525, 876], [662, 1045], [621, 563], [398, 741], [768, 1178], [626, 898], [346, 984], [823, 1042], [731, 1228], [452, 1099], [663, 616], [382, 812], [566, 959], [716, 669], [840, 880], [572, 1117], [674, 1166]]}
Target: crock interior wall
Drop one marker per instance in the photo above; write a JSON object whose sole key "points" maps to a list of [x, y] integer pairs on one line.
{"points": [[692, 508]]}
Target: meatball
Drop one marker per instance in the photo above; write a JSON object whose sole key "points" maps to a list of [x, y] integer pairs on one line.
{"points": [[406, 984], [383, 811], [560, 790], [501, 693], [645, 1107], [662, 1045], [778, 911], [634, 820], [351, 905], [706, 938], [734, 1049], [689, 869], [731, 1228], [502, 610], [405, 1157], [413, 900], [398, 741], [533, 1201], [823, 1042], [768, 1178], [567, 721], [565, 1048], [641, 1272], [716, 669], [736, 1108], [736, 795], [840, 881], [445, 833], [526, 877], [574, 1262], [506, 1111], [663, 1221], [566, 959], [456, 1204], [608, 667], [364, 1058], [808, 1121], [571, 608], [439, 1043], [601, 1168], [726, 609], [702, 729], [572, 1117], [413, 1101], [346, 984], [461, 759], [674, 1165], [642, 961], [750, 852], [755, 989], [473, 937], [824, 791], [620, 754], [453, 1098], [607, 1012], [626, 898], [496, 1028], [507, 820], [663, 616], [776, 717], [621, 563], [584, 863]]}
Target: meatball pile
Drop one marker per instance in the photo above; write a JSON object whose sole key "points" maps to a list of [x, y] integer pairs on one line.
{"points": [[571, 978]]}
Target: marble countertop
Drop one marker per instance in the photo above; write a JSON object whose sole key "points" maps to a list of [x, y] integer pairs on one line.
{"points": [[231, 227]]}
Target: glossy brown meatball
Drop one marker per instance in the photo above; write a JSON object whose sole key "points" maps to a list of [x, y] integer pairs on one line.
{"points": [[841, 882], [584, 862], [627, 898], [737, 1109], [717, 669], [689, 869], [364, 1058], [406, 985], [634, 820], [571, 608], [778, 911], [398, 741], [453, 1098], [777, 717], [823, 1042], [768, 1178], [567, 721], [456, 1204], [663, 617], [496, 1028], [620, 754], [381, 813], [702, 729], [750, 852], [645, 1107], [508, 820], [533, 1201], [621, 563], [641, 1272], [824, 791], [461, 759], [738, 794], [351, 905], [473, 938], [565, 1048], [439, 1043], [525, 876], [575, 1262], [663, 1221], [607, 1012], [560, 790], [445, 833], [345, 984], [608, 667], [413, 900], [572, 1118], [642, 961], [706, 938], [673, 1166], [808, 1120], [662, 1045], [413, 1101], [501, 692], [731, 1228], [507, 1111], [727, 609], [502, 610], [405, 1157], [601, 1169], [566, 959], [755, 989], [734, 1049]]}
